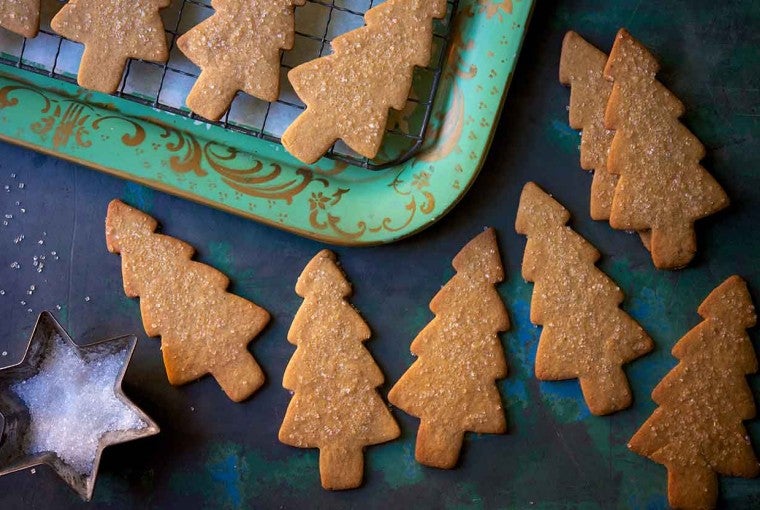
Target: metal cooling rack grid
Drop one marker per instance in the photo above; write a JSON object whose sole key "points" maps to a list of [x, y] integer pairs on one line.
{"points": [[165, 86]]}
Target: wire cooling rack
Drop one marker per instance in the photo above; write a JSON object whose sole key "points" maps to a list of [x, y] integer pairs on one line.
{"points": [[165, 86]]}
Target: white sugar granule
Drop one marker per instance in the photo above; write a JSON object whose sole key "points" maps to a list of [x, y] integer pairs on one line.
{"points": [[72, 405]]}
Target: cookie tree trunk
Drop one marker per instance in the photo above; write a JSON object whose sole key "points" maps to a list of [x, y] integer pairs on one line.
{"points": [[211, 95], [697, 430], [203, 328], [451, 386], [437, 445], [606, 387], [692, 486], [586, 335], [112, 31], [369, 71], [238, 48], [335, 406], [311, 135], [341, 468], [100, 69]]}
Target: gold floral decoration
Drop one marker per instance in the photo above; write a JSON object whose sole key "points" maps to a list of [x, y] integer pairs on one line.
{"points": [[493, 8]]}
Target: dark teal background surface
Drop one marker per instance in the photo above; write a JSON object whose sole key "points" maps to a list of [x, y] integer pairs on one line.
{"points": [[213, 453]]}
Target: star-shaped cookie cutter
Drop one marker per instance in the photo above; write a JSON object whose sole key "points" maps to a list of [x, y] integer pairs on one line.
{"points": [[15, 415]]}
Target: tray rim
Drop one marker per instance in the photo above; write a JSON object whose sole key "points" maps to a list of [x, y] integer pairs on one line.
{"points": [[476, 18]]}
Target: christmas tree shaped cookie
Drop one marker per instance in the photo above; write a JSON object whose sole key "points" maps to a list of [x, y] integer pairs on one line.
{"points": [[697, 431], [451, 387], [203, 328], [586, 335], [335, 406], [581, 67], [238, 48], [662, 186], [20, 16], [112, 31], [349, 92]]}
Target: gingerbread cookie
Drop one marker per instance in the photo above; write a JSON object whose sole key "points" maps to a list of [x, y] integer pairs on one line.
{"points": [[203, 328], [586, 335], [662, 186], [238, 48], [581, 67], [451, 387], [348, 93], [112, 31], [335, 405], [697, 432], [20, 16]]}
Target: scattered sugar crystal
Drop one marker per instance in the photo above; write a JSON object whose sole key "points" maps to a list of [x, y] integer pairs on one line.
{"points": [[5, 353], [87, 298], [2, 293], [72, 405], [21, 185], [15, 265], [33, 471]]}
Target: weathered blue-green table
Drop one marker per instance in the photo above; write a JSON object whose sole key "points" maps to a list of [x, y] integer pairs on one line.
{"points": [[213, 453]]}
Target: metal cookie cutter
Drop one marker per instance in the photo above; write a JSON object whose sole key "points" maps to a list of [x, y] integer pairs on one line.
{"points": [[16, 416]]}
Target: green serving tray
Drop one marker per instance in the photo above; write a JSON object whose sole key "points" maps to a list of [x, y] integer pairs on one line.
{"points": [[331, 201]]}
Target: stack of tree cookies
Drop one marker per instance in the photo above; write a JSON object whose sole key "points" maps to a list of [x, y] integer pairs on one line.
{"points": [[647, 176]]}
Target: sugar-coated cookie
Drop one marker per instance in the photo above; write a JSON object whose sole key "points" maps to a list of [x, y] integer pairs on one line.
{"points": [[335, 405], [112, 31], [203, 328], [697, 430], [348, 93], [452, 385], [238, 48], [581, 67], [662, 187], [586, 336]]}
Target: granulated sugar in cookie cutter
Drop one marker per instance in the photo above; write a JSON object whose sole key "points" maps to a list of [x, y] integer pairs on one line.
{"points": [[75, 395]]}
